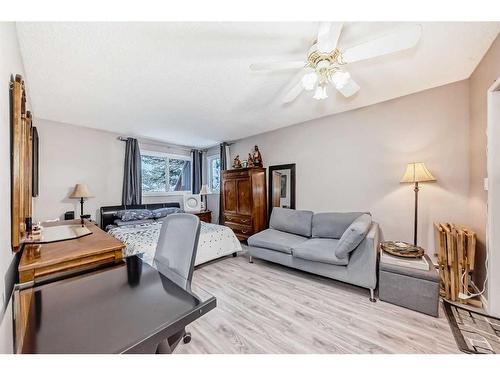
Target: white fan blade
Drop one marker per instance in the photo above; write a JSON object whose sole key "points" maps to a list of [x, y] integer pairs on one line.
{"points": [[278, 65], [349, 89], [405, 38], [328, 36], [293, 93]]}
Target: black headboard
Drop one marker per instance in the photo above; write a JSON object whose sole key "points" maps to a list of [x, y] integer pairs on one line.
{"points": [[108, 212]]}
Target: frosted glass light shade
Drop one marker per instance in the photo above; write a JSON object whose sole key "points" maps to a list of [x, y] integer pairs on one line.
{"points": [[80, 191], [205, 190], [417, 172]]}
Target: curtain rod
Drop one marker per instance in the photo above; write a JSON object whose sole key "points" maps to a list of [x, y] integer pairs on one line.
{"points": [[158, 143]]}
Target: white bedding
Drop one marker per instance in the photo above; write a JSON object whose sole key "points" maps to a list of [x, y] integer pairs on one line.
{"points": [[215, 241]]}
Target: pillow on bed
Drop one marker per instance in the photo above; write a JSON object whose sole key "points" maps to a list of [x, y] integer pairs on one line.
{"points": [[121, 223], [163, 212], [130, 215]]}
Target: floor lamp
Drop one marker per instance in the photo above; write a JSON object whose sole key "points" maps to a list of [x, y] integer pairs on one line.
{"points": [[415, 173]]}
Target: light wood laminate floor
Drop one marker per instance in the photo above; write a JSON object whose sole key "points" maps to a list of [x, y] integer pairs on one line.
{"points": [[267, 308]]}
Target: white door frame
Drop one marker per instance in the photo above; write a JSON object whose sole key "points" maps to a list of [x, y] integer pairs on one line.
{"points": [[493, 207]]}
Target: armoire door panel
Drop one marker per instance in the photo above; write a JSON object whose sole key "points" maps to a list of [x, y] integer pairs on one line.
{"points": [[244, 190], [229, 191]]}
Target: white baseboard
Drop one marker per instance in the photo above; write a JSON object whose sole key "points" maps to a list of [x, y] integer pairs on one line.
{"points": [[483, 299]]}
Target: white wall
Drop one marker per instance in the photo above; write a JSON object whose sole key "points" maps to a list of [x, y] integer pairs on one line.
{"points": [[353, 161], [487, 71], [73, 154], [10, 64]]}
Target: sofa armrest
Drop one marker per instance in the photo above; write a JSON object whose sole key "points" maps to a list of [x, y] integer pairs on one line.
{"points": [[362, 265]]}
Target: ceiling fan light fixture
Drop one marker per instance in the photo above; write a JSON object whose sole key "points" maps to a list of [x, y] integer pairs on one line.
{"points": [[309, 81], [320, 93], [340, 78]]}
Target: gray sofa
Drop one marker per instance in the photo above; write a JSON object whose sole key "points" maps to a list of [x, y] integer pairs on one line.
{"points": [[341, 246]]}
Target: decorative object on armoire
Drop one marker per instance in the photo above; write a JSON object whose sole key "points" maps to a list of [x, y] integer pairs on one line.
{"points": [[237, 162], [81, 192], [21, 161], [197, 171], [204, 191], [244, 205], [275, 198], [456, 250], [402, 249], [132, 173], [34, 161], [250, 161], [415, 173], [257, 157], [192, 202]]}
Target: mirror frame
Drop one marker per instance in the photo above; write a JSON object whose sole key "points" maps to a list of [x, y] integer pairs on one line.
{"points": [[271, 169]]}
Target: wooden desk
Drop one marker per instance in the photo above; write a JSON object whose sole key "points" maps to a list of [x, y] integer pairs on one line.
{"points": [[45, 261], [127, 308]]}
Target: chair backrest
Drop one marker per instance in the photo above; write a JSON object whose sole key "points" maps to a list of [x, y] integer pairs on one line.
{"points": [[177, 246]]}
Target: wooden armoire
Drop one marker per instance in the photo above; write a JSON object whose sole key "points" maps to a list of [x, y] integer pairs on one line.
{"points": [[244, 202]]}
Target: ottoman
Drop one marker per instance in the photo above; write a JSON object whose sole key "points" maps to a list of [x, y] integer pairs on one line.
{"points": [[412, 288]]}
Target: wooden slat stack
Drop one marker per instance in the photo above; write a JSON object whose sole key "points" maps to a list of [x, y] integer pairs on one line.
{"points": [[456, 249]]}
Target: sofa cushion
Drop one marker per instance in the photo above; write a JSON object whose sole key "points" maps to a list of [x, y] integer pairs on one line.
{"points": [[353, 235], [276, 240], [332, 224], [319, 250], [291, 221]]}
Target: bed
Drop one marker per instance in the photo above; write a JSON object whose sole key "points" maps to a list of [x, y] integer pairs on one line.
{"points": [[141, 236]]}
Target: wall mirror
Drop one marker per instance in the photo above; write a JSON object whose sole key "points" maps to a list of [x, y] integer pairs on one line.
{"points": [[281, 186]]}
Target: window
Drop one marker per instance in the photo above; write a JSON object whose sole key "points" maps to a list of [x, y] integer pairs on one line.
{"points": [[164, 173], [214, 173]]}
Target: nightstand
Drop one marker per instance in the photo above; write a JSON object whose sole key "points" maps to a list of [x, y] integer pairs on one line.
{"points": [[205, 216]]}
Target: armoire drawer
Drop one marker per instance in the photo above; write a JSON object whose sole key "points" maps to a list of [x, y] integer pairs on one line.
{"points": [[239, 219], [240, 230]]}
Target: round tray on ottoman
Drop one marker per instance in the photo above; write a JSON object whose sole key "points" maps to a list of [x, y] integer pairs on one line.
{"points": [[402, 249]]}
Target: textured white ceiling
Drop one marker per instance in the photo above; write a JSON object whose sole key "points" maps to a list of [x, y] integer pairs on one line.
{"points": [[189, 83]]}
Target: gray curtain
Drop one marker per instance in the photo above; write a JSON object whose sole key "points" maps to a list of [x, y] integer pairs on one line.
{"points": [[197, 170], [132, 176], [223, 167]]}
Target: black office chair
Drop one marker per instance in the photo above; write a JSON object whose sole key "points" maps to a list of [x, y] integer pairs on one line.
{"points": [[174, 257]]}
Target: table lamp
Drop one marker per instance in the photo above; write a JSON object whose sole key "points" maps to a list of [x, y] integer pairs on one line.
{"points": [[81, 191], [415, 173], [204, 191]]}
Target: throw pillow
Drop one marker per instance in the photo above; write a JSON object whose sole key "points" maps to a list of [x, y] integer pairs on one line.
{"points": [[139, 214], [353, 236]]}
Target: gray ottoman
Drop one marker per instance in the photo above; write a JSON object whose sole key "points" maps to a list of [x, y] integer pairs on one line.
{"points": [[411, 288]]}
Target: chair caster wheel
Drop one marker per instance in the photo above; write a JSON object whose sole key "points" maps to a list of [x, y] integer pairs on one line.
{"points": [[187, 338], [373, 300]]}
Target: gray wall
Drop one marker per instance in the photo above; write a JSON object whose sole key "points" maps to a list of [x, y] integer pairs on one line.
{"points": [[353, 161]]}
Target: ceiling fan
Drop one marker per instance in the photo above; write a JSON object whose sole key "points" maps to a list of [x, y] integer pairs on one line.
{"points": [[326, 62]]}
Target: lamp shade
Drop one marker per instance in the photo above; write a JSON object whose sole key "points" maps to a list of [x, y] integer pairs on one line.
{"points": [[417, 172], [80, 191], [205, 190]]}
